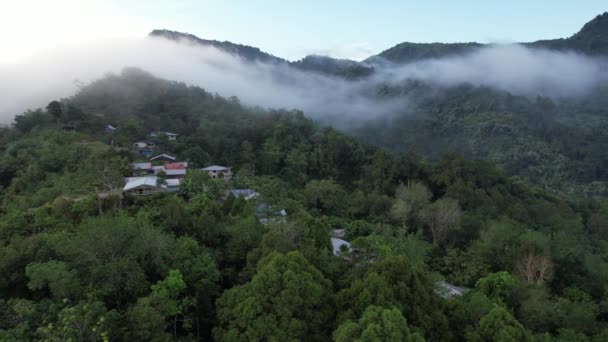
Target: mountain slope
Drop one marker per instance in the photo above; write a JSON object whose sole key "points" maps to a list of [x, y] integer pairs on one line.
{"points": [[592, 39]]}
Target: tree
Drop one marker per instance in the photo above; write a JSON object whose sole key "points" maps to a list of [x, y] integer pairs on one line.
{"points": [[85, 321], [441, 217], [376, 324], [286, 300], [62, 282], [151, 316], [392, 282], [325, 195], [534, 263], [408, 200], [499, 325], [496, 286], [54, 108]]}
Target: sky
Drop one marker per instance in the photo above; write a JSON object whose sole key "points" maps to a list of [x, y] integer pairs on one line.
{"points": [[289, 29]]}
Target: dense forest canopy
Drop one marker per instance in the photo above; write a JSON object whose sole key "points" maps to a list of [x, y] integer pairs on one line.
{"points": [[81, 262]]}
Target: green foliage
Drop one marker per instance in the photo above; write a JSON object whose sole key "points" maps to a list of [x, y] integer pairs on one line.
{"points": [[499, 325], [287, 300], [183, 265], [376, 324], [61, 282], [496, 286]]}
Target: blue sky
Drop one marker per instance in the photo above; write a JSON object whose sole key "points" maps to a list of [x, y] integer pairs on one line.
{"points": [[292, 29]]}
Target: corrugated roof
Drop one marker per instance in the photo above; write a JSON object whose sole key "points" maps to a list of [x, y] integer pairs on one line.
{"points": [[178, 165], [172, 182], [141, 166], [216, 168], [135, 182], [163, 155], [175, 172], [337, 244], [245, 193]]}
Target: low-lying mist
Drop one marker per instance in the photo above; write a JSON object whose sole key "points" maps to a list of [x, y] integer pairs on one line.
{"points": [[514, 68]]}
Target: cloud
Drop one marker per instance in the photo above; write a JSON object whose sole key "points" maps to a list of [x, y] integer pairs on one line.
{"points": [[38, 81], [513, 68], [510, 67], [354, 51]]}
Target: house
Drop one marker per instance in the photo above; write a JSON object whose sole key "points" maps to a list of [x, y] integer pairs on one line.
{"points": [[339, 245], [175, 170], [109, 129], [446, 290], [68, 127], [171, 185], [163, 158], [142, 168], [144, 144], [219, 172], [170, 136], [141, 186], [246, 194], [266, 213], [144, 147]]}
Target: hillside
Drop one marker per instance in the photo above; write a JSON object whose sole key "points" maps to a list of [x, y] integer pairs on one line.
{"points": [[449, 250]]}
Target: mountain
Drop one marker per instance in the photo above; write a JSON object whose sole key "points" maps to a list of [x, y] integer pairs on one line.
{"points": [[246, 52], [592, 39], [320, 64]]}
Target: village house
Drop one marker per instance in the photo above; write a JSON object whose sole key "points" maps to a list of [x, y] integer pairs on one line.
{"points": [[218, 172], [246, 194], [142, 168], [164, 158], [175, 170], [266, 214], [446, 290], [171, 185], [170, 136], [144, 148], [141, 186], [109, 129]]}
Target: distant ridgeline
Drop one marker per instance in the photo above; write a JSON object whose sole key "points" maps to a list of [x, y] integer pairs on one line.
{"points": [[592, 40]]}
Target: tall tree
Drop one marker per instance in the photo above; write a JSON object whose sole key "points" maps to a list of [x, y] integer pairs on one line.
{"points": [[286, 300], [377, 324], [441, 217]]}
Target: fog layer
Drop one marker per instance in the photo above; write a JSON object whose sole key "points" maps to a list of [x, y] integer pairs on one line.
{"points": [[517, 69]]}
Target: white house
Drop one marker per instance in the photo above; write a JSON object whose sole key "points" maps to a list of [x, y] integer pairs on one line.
{"points": [[163, 158], [219, 172], [141, 185], [337, 245], [446, 290], [247, 194], [169, 135], [171, 185], [143, 144]]}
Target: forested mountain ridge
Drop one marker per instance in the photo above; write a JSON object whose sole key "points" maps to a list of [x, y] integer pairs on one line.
{"points": [[592, 40], [198, 265]]}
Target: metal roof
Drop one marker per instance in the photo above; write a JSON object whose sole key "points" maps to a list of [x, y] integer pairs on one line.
{"points": [[163, 155], [216, 168], [141, 166], [135, 182]]}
